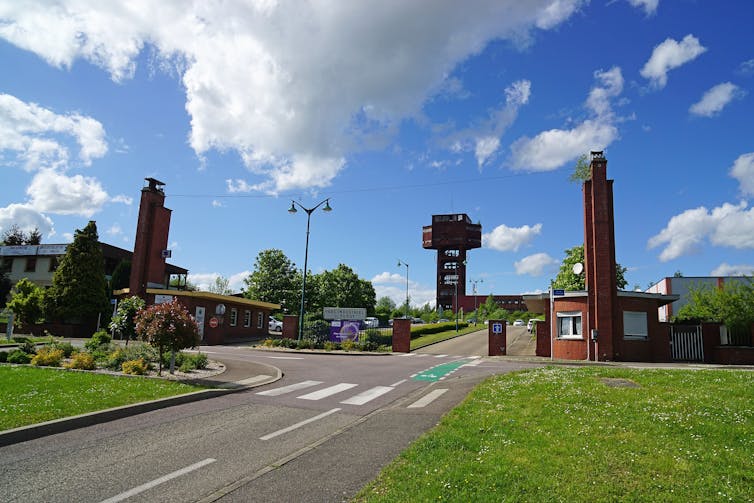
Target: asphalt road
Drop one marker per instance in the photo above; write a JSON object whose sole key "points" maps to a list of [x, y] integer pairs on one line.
{"points": [[318, 434], [519, 342]]}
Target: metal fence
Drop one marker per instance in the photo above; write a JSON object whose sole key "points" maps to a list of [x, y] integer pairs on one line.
{"points": [[686, 343], [735, 336]]}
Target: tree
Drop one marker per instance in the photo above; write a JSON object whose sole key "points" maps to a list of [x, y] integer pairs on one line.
{"points": [[121, 276], [275, 279], [14, 236], [384, 307], [79, 288], [167, 326], [123, 322], [732, 304], [26, 302], [5, 283], [582, 171], [567, 280], [342, 287], [220, 286]]}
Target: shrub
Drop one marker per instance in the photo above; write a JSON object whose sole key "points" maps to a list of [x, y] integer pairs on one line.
{"points": [[28, 347], [331, 346], [3, 356], [66, 347], [288, 343], [98, 339], [82, 361], [47, 357], [135, 367], [268, 343], [21, 339], [200, 361], [115, 359], [347, 345], [19, 356]]}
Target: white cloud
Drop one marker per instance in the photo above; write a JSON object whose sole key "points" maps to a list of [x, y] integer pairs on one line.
{"points": [[26, 218], [746, 67], [389, 277], [293, 87], [55, 192], [726, 225], [553, 148], [668, 55], [715, 99], [649, 6], [114, 230], [743, 171], [204, 280], [535, 265], [37, 135], [128, 201], [217, 204], [733, 270], [485, 147], [393, 285], [504, 238]]}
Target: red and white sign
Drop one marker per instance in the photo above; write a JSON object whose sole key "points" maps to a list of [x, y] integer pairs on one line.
{"points": [[213, 322]]}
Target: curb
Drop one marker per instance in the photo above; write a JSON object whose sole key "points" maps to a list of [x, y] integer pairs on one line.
{"points": [[39, 430]]}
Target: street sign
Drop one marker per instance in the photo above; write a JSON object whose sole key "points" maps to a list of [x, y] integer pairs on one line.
{"points": [[497, 328], [558, 293], [344, 313], [213, 322]]}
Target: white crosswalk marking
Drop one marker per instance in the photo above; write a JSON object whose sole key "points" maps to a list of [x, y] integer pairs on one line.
{"points": [[367, 395], [318, 395], [427, 399], [289, 388]]}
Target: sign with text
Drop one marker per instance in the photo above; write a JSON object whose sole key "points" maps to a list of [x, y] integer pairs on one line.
{"points": [[344, 313], [162, 299], [344, 330]]}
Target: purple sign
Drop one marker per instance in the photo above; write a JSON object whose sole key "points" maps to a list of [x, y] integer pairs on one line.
{"points": [[344, 330]]}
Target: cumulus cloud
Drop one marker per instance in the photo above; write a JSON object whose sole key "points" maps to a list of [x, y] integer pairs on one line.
{"points": [[504, 238], [38, 136], [715, 99], [669, 55], [393, 285], [743, 171], [727, 225], [553, 148], [54, 192], [204, 280], [649, 6], [293, 87], [733, 270], [128, 201], [746, 67], [535, 265], [26, 218]]}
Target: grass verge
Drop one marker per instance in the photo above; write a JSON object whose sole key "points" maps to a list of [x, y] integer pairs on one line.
{"points": [[428, 339], [586, 434], [30, 395]]}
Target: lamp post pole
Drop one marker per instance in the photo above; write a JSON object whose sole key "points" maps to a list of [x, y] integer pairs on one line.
{"points": [[456, 302], [309, 212], [473, 286], [400, 263]]}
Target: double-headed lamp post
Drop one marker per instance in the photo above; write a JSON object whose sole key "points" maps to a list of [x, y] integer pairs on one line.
{"points": [[309, 212], [400, 263], [473, 286]]}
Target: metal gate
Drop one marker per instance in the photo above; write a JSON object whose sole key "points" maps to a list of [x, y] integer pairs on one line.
{"points": [[686, 343]]}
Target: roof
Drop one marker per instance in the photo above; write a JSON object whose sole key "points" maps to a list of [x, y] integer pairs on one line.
{"points": [[213, 296], [538, 302]]}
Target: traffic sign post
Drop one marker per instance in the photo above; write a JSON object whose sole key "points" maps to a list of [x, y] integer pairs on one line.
{"points": [[213, 322], [496, 337]]}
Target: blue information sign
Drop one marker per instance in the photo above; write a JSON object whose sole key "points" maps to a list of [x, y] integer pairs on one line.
{"points": [[558, 293]]}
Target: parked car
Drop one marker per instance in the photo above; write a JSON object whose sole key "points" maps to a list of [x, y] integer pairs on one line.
{"points": [[371, 322], [443, 320], [518, 323], [417, 321], [275, 325], [530, 326]]}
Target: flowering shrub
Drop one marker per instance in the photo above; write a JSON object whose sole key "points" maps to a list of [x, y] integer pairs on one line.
{"points": [[135, 367], [48, 357], [81, 361], [123, 322], [167, 326]]}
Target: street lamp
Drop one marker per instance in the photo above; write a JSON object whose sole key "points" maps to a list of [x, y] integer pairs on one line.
{"points": [[309, 212], [400, 263], [473, 286]]}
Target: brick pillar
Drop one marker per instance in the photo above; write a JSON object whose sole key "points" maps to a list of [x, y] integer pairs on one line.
{"points": [[401, 336], [599, 255], [290, 326], [153, 225], [497, 341]]}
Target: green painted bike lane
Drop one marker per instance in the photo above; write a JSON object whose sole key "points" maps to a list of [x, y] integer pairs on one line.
{"points": [[439, 371]]}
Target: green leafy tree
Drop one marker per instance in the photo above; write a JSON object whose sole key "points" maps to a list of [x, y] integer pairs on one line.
{"points": [[582, 171], [220, 286], [5, 283], [121, 275], [14, 236], [341, 287], [567, 280], [384, 308], [167, 327], [79, 288], [275, 279], [26, 302], [732, 304], [123, 323]]}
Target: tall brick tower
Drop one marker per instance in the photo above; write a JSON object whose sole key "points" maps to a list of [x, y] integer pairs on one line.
{"points": [[451, 236], [599, 256], [148, 261]]}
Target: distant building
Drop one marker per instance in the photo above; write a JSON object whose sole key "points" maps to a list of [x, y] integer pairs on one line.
{"points": [[681, 286]]}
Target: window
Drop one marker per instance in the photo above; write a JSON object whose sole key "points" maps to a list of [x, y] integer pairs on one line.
{"points": [[247, 318], [260, 320], [635, 324], [233, 317], [53, 264], [31, 264], [7, 264], [569, 325]]}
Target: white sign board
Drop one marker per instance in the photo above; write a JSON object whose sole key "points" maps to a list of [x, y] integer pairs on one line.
{"points": [[162, 299], [200, 320], [344, 313]]}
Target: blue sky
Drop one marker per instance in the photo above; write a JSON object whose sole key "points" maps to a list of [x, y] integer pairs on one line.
{"points": [[395, 111]]}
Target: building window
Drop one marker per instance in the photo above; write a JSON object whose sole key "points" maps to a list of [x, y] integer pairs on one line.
{"points": [[31, 264], [635, 325], [233, 317], [7, 264], [569, 325], [53, 264], [260, 320], [247, 318]]}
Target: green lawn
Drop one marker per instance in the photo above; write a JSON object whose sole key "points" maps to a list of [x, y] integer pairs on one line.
{"points": [[30, 395], [426, 340], [564, 434]]}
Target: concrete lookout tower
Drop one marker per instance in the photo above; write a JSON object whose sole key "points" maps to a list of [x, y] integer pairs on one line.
{"points": [[451, 235], [150, 249]]}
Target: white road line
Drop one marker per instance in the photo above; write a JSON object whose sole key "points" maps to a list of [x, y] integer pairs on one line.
{"points": [[287, 389], [472, 363], [427, 399], [368, 395], [408, 354], [422, 355], [156, 482], [440, 356], [298, 425], [252, 380], [318, 395], [399, 382], [285, 357], [474, 357]]}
